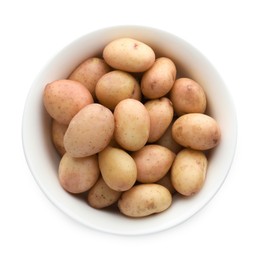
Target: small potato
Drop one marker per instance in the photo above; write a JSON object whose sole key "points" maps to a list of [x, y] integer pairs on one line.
{"points": [[64, 98], [144, 199], [188, 171], [197, 131], [153, 162], [161, 114], [57, 132], [115, 86], [132, 124], [90, 131], [129, 55], [188, 96], [101, 196], [89, 72], [159, 79], [118, 168], [168, 141], [77, 175]]}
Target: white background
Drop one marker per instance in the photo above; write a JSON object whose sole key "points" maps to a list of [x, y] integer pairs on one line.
{"points": [[229, 35]]}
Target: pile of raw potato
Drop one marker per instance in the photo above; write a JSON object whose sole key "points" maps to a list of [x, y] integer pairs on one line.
{"points": [[129, 132]]}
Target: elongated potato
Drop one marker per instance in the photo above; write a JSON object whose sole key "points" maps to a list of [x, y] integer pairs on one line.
{"points": [[63, 99], [161, 114], [129, 54], [89, 72], [101, 196], [188, 171], [159, 79], [132, 124], [153, 162], [118, 168], [188, 96], [197, 131], [78, 175], [144, 200], [115, 86], [90, 131]]}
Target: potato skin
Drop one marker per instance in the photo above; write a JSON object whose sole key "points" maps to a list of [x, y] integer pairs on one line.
{"points": [[153, 162], [63, 99], [144, 200], [132, 124], [159, 79], [77, 175], [115, 86], [188, 96], [57, 133], [118, 168], [89, 72], [90, 131], [197, 131], [129, 55], [101, 196], [188, 171], [161, 114]]}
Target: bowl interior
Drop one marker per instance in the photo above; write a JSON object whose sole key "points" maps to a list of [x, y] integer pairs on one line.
{"points": [[43, 160]]}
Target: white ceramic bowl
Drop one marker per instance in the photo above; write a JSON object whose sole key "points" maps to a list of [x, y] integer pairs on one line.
{"points": [[43, 160]]}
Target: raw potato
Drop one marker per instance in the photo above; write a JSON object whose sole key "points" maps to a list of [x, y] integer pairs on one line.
{"points": [[132, 124], [144, 200], [118, 168], [89, 72], [188, 171], [129, 55], [77, 175], [63, 99], [188, 96], [90, 131], [58, 131], [153, 162], [115, 86], [197, 131], [101, 196], [159, 79], [161, 114]]}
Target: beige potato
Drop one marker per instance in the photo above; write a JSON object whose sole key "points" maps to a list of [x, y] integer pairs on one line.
{"points": [[89, 72], [118, 168], [115, 86], [77, 175], [161, 114], [188, 171], [90, 131], [101, 196], [129, 55], [159, 79], [168, 141], [153, 162], [188, 96], [57, 133], [63, 99], [132, 124], [144, 200], [197, 131]]}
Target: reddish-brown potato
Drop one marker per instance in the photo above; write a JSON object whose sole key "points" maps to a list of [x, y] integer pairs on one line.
{"points": [[64, 98]]}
